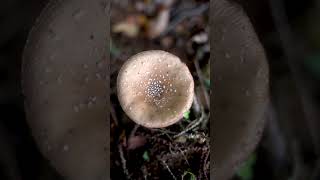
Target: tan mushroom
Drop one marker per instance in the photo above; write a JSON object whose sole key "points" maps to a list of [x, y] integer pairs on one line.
{"points": [[239, 73], [64, 82], [155, 88]]}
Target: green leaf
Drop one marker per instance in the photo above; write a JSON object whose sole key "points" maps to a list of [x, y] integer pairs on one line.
{"points": [[114, 50], [186, 114], [190, 174], [246, 171], [145, 156]]}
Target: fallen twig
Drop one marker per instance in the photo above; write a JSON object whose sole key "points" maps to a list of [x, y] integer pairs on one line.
{"points": [[203, 88], [196, 106], [184, 156], [134, 130], [192, 125], [123, 161], [164, 131], [168, 168], [205, 121], [206, 162]]}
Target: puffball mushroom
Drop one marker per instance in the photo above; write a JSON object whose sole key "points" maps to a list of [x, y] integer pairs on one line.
{"points": [[155, 88], [64, 82]]}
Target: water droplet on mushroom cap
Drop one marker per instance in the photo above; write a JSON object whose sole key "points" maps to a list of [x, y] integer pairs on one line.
{"points": [[152, 98]]}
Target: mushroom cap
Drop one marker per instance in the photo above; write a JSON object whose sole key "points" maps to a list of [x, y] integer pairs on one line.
{"points": [[155, 88], [64, 76], [240, 76]]}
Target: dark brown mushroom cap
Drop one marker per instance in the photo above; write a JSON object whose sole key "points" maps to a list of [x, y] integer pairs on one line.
{"points": [[240, 88], [155, 88], [64, 82]]}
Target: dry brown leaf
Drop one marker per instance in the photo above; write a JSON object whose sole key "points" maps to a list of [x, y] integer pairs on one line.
{"points": [[127, 28], [158, 25], [135, 142]]}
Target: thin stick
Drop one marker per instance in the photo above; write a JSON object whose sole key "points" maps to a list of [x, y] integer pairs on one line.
{"points": [[199, 73], [164, 131], [166, 165], [134, 130], [205, 122], [192, 125], [205, 164], [196, 105], [184, 156], [123, 161]]}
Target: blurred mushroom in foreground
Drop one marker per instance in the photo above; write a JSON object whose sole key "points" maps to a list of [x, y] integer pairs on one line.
{"points": [[64, 81], [155, 88], [240, 77]]}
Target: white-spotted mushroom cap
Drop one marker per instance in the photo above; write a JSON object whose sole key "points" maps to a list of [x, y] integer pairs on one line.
{"points": [[155, 88]]}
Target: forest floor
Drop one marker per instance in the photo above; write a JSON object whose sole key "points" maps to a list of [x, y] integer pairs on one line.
{"points": [[180, 151]]}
